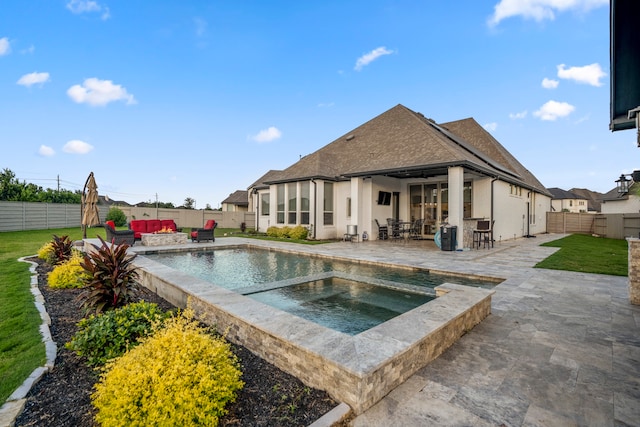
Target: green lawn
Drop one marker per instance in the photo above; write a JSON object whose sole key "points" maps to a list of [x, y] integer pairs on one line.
{"points": [[588, 254], [21, 348]]}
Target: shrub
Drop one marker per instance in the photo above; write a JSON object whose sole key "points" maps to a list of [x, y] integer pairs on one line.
{"points": [[111, 277], [180, 375], [69, 274], [109, 335], [283, 232], [46, 253], [298, 232], [116, 215], [61, 248], [273, 231]]}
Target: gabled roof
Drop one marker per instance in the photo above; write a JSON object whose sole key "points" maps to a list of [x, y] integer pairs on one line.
{"points": [[403, 143], [260, 183], [238, 198], [560, 194]]}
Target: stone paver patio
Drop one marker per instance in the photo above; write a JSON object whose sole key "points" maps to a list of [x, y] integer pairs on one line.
{"points": [[559, 349]]}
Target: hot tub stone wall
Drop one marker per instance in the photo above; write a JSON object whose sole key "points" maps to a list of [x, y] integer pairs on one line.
{"points": [[357, 370]]}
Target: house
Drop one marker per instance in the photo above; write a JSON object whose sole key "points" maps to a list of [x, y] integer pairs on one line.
{"points": [[402, 165], [622, 202], [238, 201], [567, 201]]}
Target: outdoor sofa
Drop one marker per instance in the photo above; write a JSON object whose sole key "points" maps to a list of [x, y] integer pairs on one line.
{"points": [[140, 226]]}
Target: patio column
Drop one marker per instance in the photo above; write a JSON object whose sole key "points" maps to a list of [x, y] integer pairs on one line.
{"points": [[456, 201], [356, 190]]}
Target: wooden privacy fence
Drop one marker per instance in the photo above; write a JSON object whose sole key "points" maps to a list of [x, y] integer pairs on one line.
{"points": [[614, 226], [17, 216]]}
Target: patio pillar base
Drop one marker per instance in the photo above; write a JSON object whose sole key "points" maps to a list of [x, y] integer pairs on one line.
{"points": [[634, 270]]}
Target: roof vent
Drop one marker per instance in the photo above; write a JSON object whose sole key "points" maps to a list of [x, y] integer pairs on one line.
{"points": [[350, 137]]}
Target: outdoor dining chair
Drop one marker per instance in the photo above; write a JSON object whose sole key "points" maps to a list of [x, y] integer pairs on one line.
{"points": [[383, 231]]}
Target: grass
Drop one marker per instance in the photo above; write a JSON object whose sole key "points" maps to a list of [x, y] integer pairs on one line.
{"points": [[588, 254], [21, 348]]}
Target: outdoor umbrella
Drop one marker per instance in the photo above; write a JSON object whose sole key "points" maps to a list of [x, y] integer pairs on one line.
{"points": [[90, 214]]}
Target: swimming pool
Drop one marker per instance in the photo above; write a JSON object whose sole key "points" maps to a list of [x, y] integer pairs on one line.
{"points": [[356, 369], [238, 268], [346, 296]]}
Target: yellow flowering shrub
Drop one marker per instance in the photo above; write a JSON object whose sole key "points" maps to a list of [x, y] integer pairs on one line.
{"points": [[179, 376], [46, 253], [69, 274]]}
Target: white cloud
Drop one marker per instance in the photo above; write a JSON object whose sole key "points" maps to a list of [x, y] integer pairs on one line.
{"points": [[326, 104], [549, 83], [490, 127], [589, 74], [553, 110], [33, 78], [518, 116], [46, 151], [5, 46], [99, 92], [201, 26], [368, 58], [30, 49], [88, 6], [75, 146], [539, 10], [267, 135]]}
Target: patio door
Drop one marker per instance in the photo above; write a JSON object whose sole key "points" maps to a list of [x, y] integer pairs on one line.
{"points": [[425, 203]]}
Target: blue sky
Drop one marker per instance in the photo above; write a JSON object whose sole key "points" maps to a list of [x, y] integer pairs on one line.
{"points": [[200, 98]]}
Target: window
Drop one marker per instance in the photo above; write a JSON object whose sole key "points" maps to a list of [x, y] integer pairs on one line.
{"points": [[328, 203], [292, 210], [348, 207], [304, 202], [280, 195], [532, 209], [264, 204], [467, 194]]}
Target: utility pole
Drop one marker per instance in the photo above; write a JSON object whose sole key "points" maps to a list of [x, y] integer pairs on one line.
{"points": [[58, 183]]}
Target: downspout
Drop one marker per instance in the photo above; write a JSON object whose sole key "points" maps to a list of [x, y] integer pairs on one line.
{"points": [[491, 213], [256, 199], [315, 206]]}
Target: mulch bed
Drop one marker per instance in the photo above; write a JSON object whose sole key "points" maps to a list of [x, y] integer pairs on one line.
{"points": [[270, 396]]}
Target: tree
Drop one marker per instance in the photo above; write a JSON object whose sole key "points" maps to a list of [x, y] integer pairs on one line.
{"points": [[11, 189], [189, 203]]}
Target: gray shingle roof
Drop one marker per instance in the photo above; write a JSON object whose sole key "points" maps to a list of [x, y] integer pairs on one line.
{"points": [[400, 141], [238, 198]]}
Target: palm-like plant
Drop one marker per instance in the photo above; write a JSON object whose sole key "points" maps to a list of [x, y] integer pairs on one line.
{"points": [[112, 278], [61, 246]]}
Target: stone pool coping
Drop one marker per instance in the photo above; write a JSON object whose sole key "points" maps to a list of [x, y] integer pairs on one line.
{"points": [[358, 370]]}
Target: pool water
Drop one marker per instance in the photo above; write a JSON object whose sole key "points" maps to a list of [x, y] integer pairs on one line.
{"points": [[345, 296], [238, 268], [332, 302]]}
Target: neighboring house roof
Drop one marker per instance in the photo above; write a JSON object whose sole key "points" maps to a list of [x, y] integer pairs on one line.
{"points": [[402, 143], [594, 198], [560, 194], [613, 194], [238, 198], [105, 200]]}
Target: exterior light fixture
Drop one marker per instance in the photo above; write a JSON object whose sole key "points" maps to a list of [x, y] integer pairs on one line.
{"points": [[623, 184]]}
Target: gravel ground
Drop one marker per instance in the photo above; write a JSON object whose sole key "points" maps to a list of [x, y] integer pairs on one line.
{"points": [[270, 396]]}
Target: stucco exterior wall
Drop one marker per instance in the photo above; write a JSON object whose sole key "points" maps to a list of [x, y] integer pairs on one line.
{"points": [[630, 205]]}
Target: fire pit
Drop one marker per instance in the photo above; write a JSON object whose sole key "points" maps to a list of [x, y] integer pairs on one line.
{"points": [[163, 238]]}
